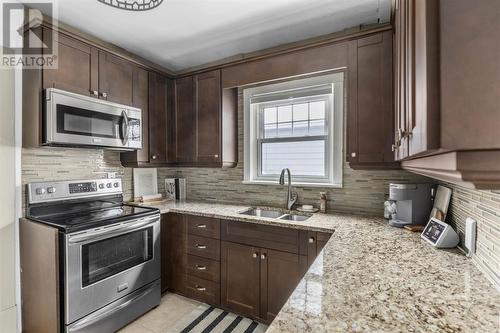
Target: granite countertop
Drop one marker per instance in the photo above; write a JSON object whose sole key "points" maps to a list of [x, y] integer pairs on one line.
{"points": [[374, 278]]}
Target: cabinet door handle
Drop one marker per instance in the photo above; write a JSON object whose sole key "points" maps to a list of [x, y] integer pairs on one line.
{"points": [[200, 288], [201, 268], [255, 255], [201, 247], [263, 256], [216, 155], [353, 154], [94, 92], [201, 226], [311, 240], [153, 157], [105, 95]]}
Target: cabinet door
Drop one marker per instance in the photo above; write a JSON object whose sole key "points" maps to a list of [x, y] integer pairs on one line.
{"points": [[175, 257], [158, 118], [77, 67], [371, 111], [240, 278], [116, 79], [185, 121], [208, 111], [280, 274]]}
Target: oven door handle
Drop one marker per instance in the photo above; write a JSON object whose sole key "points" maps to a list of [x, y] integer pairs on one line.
{"points": [[110, 232], [125, 128]]}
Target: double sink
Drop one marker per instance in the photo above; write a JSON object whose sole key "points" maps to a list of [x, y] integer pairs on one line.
{"points": [[275, 214]]}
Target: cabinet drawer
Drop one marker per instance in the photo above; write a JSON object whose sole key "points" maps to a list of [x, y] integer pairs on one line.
{"points": [[269, 237], [203, 226], [203, 247], [203, 290], [203, 268]]}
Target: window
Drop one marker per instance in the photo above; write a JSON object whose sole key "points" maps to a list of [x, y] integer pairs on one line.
{"points": [[296, 125]]}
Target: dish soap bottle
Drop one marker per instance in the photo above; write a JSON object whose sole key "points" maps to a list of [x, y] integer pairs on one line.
{"points": [[322, 202]]}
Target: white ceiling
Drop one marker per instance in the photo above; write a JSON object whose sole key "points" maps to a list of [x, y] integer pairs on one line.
{"points": [[184, 33]]}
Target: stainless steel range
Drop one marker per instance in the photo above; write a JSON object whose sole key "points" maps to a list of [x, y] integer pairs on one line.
{"points": [[111, 251]]}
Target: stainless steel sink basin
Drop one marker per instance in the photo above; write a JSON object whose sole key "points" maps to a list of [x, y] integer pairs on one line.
{"points": [[271, 213], [275, 214], [294, 217]]}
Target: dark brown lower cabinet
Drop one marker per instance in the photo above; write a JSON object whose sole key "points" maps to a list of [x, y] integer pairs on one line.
{"points": [[245, 268], [280, 273], [173, 244], [257, 282], [240, 278]]}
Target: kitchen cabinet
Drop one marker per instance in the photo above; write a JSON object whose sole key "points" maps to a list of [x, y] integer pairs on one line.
{"points": [[446, 78], [280, 273], [185, 121], [208, 116], [256, 281], [116, 79], [205, 121], [416, 67], [240, 278], [154, 103], [174, 256], [370, 117], [77, 69]]}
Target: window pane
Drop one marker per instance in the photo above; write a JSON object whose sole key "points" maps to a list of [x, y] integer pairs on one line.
{"points": [[300, 112], [300, 128], [317, 127], [284, 113], [285, 129], [269, 115], [303, 158], [270, 131], [317, 110]]}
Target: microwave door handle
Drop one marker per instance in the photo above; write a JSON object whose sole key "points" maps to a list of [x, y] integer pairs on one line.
{"points": [[125, 128]]}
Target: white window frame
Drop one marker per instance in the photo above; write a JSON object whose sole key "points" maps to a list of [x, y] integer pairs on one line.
{"points": [[334, 120]]}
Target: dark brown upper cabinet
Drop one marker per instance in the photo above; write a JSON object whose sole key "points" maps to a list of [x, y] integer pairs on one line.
{"points": [[77, 67], [205, 121], [185, 121], [447, 90], [370, 116], [116, 79], [152, 89], [208, 115]]}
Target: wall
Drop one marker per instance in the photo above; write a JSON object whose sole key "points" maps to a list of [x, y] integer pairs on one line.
{"points": [[363, 191], [47, 164], [484, 207], [8, 309]]}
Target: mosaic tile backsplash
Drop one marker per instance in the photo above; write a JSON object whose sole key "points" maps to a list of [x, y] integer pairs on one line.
{"points": [[484, 207], [47, 164]]}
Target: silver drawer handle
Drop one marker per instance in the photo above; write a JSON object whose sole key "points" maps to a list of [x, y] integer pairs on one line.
{"points": [[200, 288], [201, 226], [199, 246], [201, 268], [311, 239]]}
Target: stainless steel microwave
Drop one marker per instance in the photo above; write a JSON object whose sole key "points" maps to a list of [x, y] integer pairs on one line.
{"points": [[75, 120]]}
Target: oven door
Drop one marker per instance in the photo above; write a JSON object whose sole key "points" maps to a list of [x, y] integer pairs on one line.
{"points": [[75, 120], [105, 264]]}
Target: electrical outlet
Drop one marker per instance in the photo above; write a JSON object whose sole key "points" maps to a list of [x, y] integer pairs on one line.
{"points": [[110, 175], [470, 236]]}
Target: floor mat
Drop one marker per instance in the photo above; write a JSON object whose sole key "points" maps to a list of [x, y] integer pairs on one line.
{"points": [[206, 318]]}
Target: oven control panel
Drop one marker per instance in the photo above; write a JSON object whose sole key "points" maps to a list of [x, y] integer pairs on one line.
{"points": [[82, 187], [63, 190]]}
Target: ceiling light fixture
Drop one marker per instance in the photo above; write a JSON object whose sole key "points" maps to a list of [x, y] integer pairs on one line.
{"points": [[134, 5]]}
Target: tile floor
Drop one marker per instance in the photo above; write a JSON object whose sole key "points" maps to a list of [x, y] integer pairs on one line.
{"points": [[160, 320]]}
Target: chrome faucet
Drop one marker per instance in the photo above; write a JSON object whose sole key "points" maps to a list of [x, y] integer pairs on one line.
{"points": [[291, 196]]}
